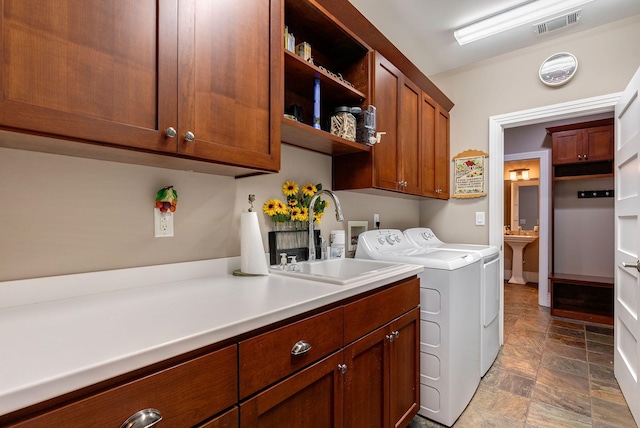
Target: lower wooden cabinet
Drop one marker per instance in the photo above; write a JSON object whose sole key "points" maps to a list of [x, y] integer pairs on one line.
{"points": [[310, 398], [229, 419], [381, 379], [354, 364], [185, 395]]}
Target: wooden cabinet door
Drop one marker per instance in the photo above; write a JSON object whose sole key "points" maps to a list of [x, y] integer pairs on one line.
{"points": [[381, 386], [366, 383], [311, 398], [434, 135], [90, 70], [409, 147], [567, 145], [441, 154], [387, 100], [597, 143], [226, 69], [404, 365]]}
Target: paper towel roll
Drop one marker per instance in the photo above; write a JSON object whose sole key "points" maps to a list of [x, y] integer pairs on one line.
{"points": [[252, 255]]}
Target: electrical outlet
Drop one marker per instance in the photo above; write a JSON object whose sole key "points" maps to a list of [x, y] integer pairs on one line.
{"points": [[162, 223], [479, 218]]}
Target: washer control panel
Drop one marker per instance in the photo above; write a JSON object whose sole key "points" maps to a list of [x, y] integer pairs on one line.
{"points": [[383, 240]]}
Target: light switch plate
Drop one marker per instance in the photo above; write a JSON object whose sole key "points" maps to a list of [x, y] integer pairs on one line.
{"points": [[479, 218], [162, 224]]}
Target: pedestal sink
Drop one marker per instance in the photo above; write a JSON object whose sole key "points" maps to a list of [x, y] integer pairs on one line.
{"points": [[517, 244]]}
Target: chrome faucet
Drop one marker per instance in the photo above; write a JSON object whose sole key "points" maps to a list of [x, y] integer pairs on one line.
{"points": [[339, 217]]}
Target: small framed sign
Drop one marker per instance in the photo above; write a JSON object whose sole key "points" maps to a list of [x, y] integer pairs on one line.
{"points": [[469, 174]]}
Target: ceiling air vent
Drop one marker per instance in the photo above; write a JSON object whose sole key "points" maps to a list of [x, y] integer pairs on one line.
{"points": [[558, 22]]}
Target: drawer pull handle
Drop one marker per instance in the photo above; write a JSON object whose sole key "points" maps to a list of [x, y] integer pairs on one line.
{"points": [[301, 347], [143, 419]]}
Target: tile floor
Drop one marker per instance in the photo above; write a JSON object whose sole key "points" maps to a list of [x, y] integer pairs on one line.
{"points": [[551, 372]]}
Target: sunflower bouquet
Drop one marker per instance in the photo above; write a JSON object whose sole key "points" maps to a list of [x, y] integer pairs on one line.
{"points": [[296, 205]]}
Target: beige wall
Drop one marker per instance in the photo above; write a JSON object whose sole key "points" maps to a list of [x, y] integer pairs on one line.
{"points": [[608, 56], [67, 215]]}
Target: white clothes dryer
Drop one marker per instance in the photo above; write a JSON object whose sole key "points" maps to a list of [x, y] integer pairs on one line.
{"points": [[424, 237], [449, 320]]}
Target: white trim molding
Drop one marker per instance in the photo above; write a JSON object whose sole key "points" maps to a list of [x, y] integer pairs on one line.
{"points": [[497, 125]]}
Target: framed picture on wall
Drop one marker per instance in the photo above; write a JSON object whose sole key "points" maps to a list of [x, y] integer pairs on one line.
{"points": [[469, 174]]}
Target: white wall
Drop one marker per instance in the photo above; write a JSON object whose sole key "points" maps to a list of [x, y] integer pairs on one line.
{"points": [[608, 56], [63, 214]]}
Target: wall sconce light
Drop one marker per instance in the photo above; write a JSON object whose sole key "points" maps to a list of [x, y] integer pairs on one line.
{"points": [[519, 174]]}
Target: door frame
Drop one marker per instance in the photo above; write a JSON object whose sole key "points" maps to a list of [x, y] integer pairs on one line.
{"points": [[497, 125], [544, 209]]}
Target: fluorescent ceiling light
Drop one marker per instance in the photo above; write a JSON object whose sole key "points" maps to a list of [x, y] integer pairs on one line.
{"points": [[512, 18]]}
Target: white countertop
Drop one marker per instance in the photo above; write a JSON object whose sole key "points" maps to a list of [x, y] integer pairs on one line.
{"points": [[63, 333]]}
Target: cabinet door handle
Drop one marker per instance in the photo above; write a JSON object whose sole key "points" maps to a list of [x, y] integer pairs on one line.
{"points": [[143, 419], [342, 368], [170, 132], [579, 157], [390, 337], [301, 347], [632, 265], [189, 136], [585, 156], [396, 334]]}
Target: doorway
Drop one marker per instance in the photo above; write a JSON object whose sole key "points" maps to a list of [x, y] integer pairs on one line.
{"points": [[497, 125], [544, 212]]}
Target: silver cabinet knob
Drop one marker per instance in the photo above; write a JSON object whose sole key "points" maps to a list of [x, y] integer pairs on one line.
{"points": [[579, 157], [143, 419], [342, 368], [189, 136], [301, 347], [170, 132], [585, 157]]}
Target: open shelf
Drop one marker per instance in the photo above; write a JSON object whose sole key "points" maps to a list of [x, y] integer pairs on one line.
{"points": [[299, 77], [588, 298], [305, 136], [342, 63]]}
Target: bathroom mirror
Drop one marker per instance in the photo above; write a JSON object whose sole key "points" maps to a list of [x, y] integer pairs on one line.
{"points": [[524, 204]]}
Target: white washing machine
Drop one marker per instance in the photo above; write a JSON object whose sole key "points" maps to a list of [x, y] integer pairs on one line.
{"points": [[490, 289], [449, 320]]}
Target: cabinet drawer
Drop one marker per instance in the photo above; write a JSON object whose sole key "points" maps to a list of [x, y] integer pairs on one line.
{"points": [[185, 395], [267, 358], [369, 313]]}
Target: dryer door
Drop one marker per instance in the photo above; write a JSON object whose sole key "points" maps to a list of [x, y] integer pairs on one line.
{"points": [[491, 285]]}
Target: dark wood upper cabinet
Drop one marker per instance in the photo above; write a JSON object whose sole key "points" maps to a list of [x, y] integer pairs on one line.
{"points": [[91, 70], [582, 149], [413, 156], [127, 72]]}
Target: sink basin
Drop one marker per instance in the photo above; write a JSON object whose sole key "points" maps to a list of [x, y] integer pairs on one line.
{"points": [[343, 271], [525, 239]]}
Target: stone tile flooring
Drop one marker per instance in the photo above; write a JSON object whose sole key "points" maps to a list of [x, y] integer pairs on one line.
{"points": [[551, 372]]}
